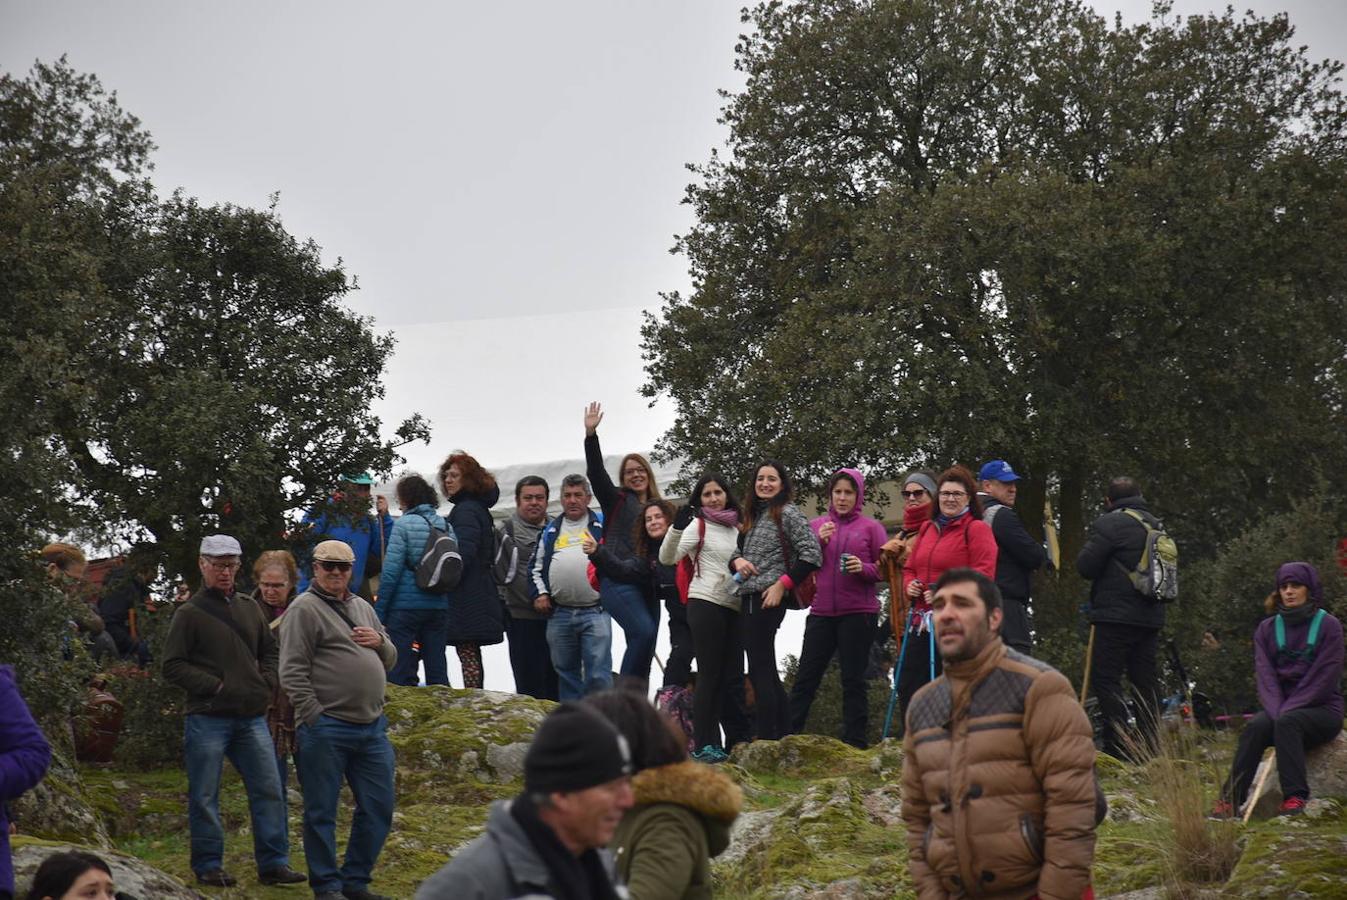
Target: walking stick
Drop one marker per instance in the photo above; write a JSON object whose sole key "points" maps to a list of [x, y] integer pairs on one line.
{"points": [[897, 677], [930, 631], [1089, 658], [1268, 765]]}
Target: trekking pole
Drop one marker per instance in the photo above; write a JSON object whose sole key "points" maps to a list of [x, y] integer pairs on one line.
{"points": [[930, 632], [897, 677], [1268, 765], [1089, 658]]}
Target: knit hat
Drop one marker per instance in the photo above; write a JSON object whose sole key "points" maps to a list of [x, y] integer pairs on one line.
{"points": [[574, 748], [1302, 573], [921, 478]]}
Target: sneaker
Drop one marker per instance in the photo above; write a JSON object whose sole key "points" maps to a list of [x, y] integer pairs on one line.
{"points": [[1292, 806], [281, 875], [216, 878], [1223, 809], [710, 755], [362, 894]]}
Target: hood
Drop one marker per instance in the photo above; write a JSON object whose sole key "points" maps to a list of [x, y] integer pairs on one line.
{"points": [[1305, 574], [698, 787], [856, 476], [486, 498]]}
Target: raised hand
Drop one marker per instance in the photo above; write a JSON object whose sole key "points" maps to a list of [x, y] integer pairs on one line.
{"points": [[593, 416]]}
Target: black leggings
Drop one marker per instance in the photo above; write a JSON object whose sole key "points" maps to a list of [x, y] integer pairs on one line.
{"points": [[1292, 734], [720, 662], [678, 667], [758, 628], [849, 638]]}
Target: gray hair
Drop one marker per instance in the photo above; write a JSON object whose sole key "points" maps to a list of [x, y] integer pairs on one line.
{"points": [[575, 479]]}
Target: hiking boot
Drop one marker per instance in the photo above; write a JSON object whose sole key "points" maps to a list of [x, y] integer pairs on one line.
{"points": [[1292, 806], [710, 755], [216, 878], [1223, 809], [280, 875], [329, 895], [362, 894]]}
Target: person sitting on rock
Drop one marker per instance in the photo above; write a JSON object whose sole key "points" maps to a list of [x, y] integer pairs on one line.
{"points": [[73, 875], [684, 810], [549, 840], [1298, 656]]}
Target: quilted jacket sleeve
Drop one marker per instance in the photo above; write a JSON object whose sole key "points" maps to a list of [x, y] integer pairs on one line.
{"points": [[917, 815]]}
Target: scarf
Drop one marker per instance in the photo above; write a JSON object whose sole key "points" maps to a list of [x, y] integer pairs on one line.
{"points": [[1299, 615], [728, 517], [944, 521], [575, 877], [914, 516]]}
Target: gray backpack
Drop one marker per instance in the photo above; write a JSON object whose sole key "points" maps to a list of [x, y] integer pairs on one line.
{"points": [[441, 566]]}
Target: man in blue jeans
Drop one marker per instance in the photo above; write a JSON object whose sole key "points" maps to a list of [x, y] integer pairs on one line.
{"points": [[335, 657], [579, 632], [220, 650]]}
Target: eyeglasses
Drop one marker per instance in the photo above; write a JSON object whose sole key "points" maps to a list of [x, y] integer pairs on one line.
{"points": [[222, 565], [913, 495], [328, 565], [952, 495], [630, 472]]}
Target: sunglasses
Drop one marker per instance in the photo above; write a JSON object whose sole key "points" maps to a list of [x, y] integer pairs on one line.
{"points": [[329, 566], [913, 495]]}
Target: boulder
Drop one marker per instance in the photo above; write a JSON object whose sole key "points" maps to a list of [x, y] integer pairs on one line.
{"points": [[807, 756], [1326, 768], [132, 877], [60, 808]]}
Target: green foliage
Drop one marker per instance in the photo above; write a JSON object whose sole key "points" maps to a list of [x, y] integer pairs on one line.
{"points": [[152, 722], [945, 231]]}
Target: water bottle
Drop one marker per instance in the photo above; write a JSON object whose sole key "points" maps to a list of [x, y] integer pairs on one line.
{"points": [[736, 582]]}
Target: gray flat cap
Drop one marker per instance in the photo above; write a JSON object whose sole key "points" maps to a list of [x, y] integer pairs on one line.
{"points": [[220, 545]]}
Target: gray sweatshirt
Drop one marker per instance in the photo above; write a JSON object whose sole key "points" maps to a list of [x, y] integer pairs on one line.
{"points": [[323, 669]]}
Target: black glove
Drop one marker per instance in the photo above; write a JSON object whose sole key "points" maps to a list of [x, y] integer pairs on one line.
{"points": [[683, 518]]}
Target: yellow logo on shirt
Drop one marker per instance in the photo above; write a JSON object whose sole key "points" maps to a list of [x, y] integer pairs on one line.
{"points": [[575, 538]]}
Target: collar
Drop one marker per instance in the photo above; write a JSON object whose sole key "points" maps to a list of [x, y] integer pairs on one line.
{"points": [[966, 674]]}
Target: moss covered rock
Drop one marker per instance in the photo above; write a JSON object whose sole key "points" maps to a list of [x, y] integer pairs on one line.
{"points": [[62, 807], [803, 756], [132, 876]]}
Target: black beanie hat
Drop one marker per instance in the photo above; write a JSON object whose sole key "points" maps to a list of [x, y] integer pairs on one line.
{"points": [[574, 748]]}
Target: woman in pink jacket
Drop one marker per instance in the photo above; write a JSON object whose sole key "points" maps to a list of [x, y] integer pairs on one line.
{"points": [[955, 537], [845, 612]]}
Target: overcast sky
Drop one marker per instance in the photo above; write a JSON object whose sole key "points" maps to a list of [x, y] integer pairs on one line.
{"points": [[504, 178]]}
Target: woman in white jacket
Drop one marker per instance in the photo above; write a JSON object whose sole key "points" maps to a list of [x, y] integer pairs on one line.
{"points": [[706, 532]]}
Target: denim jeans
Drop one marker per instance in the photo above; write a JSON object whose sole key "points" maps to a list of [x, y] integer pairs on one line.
{"points": [[626, 603], [328, 751], [581, 644], [245, 742], [429, 628]]}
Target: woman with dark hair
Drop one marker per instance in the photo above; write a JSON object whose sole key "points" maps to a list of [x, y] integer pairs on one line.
{"points": [[776, 551], [684, 811], [276, 574], [1298, 657], [72, 875], [657, 581], [843, 617], [713, 604], [622, 512], [953, 537], [411, 615], [476, 616]]}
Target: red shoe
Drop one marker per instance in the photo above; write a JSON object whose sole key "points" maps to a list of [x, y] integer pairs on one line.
{"points": [[1292, 806], [1223, 809]]}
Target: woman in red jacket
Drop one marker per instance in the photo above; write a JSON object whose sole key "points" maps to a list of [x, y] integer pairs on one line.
{"points": [[955, 536]]}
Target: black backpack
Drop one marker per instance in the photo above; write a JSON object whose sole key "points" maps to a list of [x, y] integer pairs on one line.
{"points": [[441, 566]]}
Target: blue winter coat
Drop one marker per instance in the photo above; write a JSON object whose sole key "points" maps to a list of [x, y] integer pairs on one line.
{"points": [[476, 615], [397, 584], [24, 755], [362, 534]]}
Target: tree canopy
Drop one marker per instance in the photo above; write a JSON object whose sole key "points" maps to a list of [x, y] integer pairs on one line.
{"points": [[951, 231]]}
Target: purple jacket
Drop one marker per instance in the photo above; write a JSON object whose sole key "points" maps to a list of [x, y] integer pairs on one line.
{"points": [[24, 754], [1287, 684], [839, 593]]}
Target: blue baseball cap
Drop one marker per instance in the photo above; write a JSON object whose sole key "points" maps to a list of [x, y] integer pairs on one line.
{"points": [[997, 470]]}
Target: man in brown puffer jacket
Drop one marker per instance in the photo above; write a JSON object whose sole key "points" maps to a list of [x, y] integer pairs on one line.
{"points": [[999, 788]]}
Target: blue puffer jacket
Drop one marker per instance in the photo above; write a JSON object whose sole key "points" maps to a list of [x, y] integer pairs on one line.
{"points": [[24, 755], [397, 585], [476, 615]]}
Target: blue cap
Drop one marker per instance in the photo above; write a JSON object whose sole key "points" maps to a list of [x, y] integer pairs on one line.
{"points": [[997, 470]]}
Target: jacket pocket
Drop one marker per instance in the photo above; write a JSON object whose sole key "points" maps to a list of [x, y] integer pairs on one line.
{"points": [[1032, 833]]}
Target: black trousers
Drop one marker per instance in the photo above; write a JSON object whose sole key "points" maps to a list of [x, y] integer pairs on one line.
{"points": [[1017, 625], [1130, 650], [849, 637], [530, 658], [916, 671], [678, 668], [1292, 734], [758, 627], [720, 665]]}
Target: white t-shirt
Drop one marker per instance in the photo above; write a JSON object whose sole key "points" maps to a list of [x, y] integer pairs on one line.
{"points": [[569, 574]]}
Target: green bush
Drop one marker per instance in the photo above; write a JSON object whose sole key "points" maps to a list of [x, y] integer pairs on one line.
{"points": [[152, 724]]}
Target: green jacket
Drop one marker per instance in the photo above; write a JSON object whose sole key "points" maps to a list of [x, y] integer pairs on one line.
{"points": [[209, 660], [681, 819]]}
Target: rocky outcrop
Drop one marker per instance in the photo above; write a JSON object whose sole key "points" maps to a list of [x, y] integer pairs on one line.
{"points": [[132, 877], [1326, 768], [61, 807]]}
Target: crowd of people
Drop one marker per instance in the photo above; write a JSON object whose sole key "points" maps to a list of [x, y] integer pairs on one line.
{"points": [[615, 791]]}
